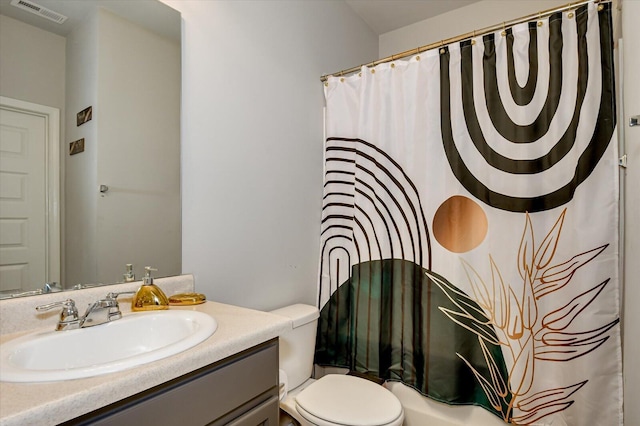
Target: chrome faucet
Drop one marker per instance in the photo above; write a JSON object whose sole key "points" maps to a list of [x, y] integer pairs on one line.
{"points": [[68, 317], [99, 312], [103, 310]]}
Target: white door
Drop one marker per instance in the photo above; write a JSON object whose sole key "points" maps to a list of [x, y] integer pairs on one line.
{"points": [[30, 242], [22, 200]]}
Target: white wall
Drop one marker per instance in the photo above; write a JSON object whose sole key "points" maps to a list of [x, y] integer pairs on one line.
{"points": [[252, 141], [476, 16], [631, 319], [138, 219], [80, 179], [32, 68], [131, 78]]}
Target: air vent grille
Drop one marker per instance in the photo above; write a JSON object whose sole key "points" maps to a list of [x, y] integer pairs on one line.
{"points": [[39, 10]]}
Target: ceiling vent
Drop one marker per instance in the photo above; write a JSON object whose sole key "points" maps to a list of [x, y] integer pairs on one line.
{"points": [[39, 10]]}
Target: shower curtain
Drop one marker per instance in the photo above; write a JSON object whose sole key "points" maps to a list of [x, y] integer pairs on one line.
{"points": [[469, 239]]}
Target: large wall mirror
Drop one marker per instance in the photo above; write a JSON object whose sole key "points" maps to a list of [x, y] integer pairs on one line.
{"points": [[90, 142]]}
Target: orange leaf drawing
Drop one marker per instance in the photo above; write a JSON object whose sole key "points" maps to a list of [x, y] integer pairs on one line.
{"points": [[515, 328], [499, 385], [529, 304], [546, 398], [531, 418], [548, 247], [521, 374], [562, 346], [500, 295], [558, 276], [492, 394], [528, 334], [477, 285], [526, 250], [482, 330], [561, 318]]}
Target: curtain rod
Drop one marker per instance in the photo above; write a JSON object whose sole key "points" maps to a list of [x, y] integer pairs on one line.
{"points": [[469, 35]]}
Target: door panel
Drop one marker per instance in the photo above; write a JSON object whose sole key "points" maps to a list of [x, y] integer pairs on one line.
{"points": [[23, 191]]}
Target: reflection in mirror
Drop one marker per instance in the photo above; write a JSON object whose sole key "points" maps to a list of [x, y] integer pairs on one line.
{"points": [[84, 192]]}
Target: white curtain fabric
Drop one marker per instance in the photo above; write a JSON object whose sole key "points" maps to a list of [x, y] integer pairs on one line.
{"points": [[492, 165]]}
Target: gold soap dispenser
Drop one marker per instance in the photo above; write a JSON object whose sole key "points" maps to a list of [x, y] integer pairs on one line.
{"points": [[149, 296]]}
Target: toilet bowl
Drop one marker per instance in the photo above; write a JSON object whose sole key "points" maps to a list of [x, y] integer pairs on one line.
{"points": [[334, 399], [339, 399]]}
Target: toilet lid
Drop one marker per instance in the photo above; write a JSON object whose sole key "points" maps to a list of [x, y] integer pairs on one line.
{"points": [[348, 400]]}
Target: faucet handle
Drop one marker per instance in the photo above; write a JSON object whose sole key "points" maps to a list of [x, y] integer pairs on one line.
{"points": [[69, 315], [114, 312], [113, 295], [69, 304]]}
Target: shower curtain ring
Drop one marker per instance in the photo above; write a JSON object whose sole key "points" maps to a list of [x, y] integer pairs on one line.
{"points": [[473, 38], [504, 29], [442, 50], [540, 19]]}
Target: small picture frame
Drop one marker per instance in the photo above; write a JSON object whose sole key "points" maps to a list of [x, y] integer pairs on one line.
{"points": [[84, 116], [76, 147]]}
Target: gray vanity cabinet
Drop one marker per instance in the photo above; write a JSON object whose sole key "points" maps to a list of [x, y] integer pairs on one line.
{"points": [[241, 390]]}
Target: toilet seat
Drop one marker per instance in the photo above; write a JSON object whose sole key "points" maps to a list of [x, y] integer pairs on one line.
{"points": [[338, 399]]}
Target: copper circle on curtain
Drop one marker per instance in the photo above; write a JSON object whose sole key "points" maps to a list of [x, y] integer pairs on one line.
{"points": [[460, 224]]}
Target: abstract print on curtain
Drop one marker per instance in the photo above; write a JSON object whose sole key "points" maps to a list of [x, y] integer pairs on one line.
{"points": [[470, 223]]}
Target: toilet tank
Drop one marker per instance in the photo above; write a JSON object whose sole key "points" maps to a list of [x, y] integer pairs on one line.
{"points": [[297, 346]]}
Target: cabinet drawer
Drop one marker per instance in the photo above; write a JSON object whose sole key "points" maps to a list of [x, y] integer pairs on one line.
{"points": [[246, 380], [266, 414]]}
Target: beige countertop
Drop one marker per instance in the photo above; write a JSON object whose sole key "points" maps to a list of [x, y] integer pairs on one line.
{"points": [[55, 402]]}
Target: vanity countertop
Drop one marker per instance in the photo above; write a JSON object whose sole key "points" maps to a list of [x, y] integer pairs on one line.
{"points": [[55, 402]]}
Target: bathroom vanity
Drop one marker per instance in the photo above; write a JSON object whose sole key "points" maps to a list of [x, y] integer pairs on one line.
{"points": [[230, 378], [240, 390]]}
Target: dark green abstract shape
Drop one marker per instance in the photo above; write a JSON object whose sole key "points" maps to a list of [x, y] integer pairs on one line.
{"points": [[385, 322]]}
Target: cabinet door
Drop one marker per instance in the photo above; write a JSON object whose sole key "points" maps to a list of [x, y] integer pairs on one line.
{"points": [[217, 394], [266, 414]]}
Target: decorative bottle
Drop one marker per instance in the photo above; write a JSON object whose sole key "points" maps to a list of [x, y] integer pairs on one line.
{"points": [[149, 296]]}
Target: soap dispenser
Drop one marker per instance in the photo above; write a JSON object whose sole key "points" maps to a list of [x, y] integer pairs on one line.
{"points": [[149, 296], [129, 275]]}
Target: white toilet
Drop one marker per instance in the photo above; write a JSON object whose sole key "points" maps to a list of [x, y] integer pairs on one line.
{"points": [[334, 399]]}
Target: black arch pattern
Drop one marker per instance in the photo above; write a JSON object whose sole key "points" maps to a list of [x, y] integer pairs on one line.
{"points": [[522, 95], [364, 187], [588, 159], [497, 111]]}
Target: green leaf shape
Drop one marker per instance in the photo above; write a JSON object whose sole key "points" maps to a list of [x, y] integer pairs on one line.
{"points": [[497, 379], [468, 315], [489, 390], [393, 321], [468, 322]]}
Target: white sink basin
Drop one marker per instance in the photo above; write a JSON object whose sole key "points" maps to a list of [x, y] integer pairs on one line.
{"points": [[136, 339]]}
